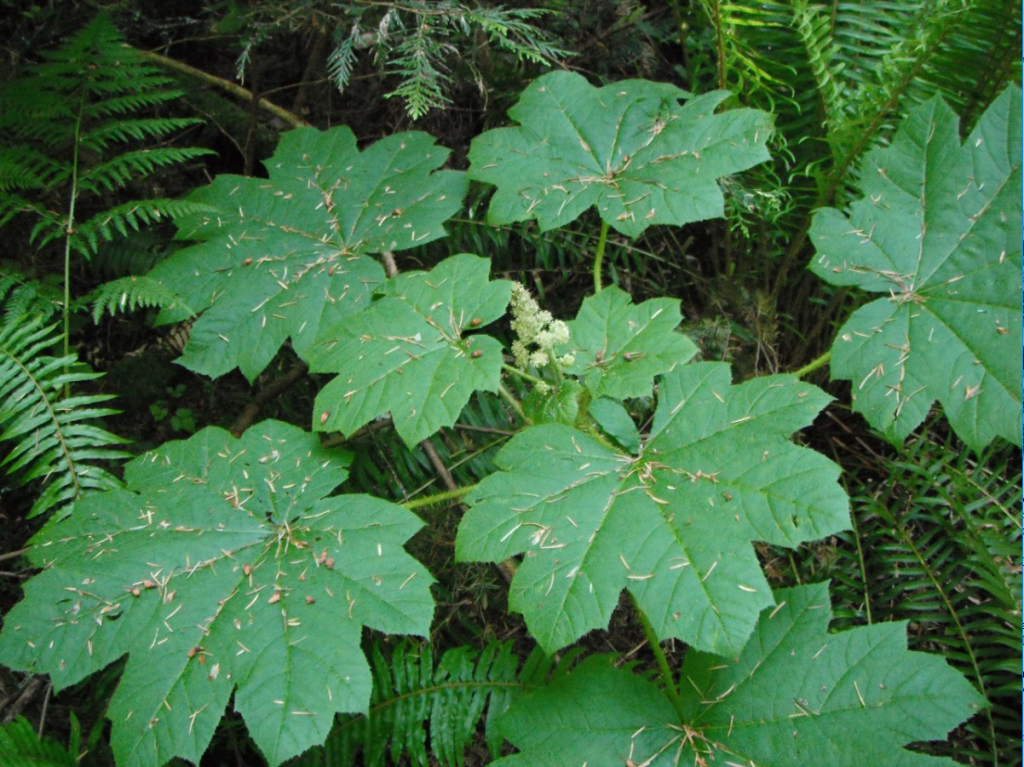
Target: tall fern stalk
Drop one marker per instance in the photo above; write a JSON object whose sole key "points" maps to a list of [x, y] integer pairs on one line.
{"points": [[70, 227]]}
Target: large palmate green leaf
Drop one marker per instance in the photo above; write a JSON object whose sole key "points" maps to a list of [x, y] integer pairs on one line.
{"points": [[620, 347], [797, 695], [673, 523], [629, 148], [407, 354], [223, 569], [286, 256], [939, 233]]}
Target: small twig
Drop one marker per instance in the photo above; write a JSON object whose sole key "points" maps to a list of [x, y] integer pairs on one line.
{"points": [[438, 464], [226, 85], [249, 412], [13, 554], [28, 692], [46, 705]]}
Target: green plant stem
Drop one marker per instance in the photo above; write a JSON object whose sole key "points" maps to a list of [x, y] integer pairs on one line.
{"points": [[553, 366], [436, 498], [599, 256], [525, 376], [512, 401], [659, 655], [813, 365], [69, 230]]}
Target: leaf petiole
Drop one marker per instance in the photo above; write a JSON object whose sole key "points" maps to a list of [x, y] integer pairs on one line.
{"points": [[659, 656], [437, 498], [513, 402], [599, 256], [813, 365], [522, 374]]}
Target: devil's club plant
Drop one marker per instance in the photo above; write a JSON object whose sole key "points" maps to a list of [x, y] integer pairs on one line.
{"points": [[618, 348], [407, 354], [225, 567], [939, 233], [672, 523], [286, 256], [629, 148], [795, 695]]}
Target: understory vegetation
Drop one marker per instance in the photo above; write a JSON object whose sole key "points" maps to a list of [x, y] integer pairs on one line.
{"points": [[535, 384]]}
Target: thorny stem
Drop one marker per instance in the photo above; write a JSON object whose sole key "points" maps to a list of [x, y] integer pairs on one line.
{"points": [[436, 498], [659, 656], [813, 365], [599, 256]]}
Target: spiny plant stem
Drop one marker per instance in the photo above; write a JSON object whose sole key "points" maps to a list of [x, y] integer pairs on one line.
{"points": [[813, 365], [436, 498], [659, 656], [599, 256]]}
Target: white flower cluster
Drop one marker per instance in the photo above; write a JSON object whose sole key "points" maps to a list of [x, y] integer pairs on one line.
{"points": [[538, 332]]}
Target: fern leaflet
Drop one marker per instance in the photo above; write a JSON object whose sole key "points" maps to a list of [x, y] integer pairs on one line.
{"points": [[55, 439], [425, 711], [131, 293]]}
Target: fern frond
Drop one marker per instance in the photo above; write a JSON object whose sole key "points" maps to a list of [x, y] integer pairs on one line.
{"points": [[975, 62], [13, 204], [135, 254], [25, 168], [21, 747], [130, 293], [54, 439], [939, 543], [421, 710], [854, 68], [21, 296], [129, 166], [129, 217], [121, 106], [139, 129], [815, 30], [75, 116]]}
